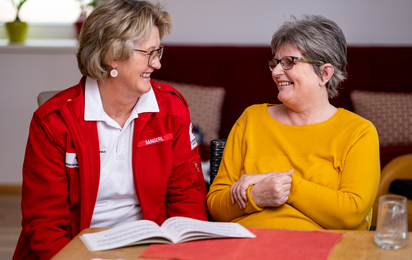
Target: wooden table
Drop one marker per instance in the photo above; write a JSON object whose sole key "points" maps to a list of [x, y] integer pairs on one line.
{"points": [[354, 245]]}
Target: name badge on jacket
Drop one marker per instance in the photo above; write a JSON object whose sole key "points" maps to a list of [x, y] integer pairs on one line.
{"points": [[155, 140], [71, 160]]}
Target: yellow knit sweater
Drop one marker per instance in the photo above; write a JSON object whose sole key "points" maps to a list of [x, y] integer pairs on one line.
{"points": [[335, 166]]}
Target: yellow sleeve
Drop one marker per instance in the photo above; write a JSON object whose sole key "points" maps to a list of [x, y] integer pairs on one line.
{"points": [[347, 207], [230, 170]]}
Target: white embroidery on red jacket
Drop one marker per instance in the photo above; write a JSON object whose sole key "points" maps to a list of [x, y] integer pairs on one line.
{"points": [[155, 140]]}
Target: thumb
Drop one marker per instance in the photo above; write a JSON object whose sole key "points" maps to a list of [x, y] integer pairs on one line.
{"points": [[289, 173]]}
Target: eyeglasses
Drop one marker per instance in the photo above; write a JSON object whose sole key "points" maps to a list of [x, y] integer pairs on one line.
{"points": [[287, 62], [153, 54]]}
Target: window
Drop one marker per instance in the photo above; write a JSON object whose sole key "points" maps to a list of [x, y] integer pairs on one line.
{"points": [[42, 11]]}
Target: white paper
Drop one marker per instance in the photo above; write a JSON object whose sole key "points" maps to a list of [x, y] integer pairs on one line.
{"points": [[173, 230], [122, 235]]}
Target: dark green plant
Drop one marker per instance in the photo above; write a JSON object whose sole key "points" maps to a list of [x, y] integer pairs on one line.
{"points": [[18, 5], [93, 3]]}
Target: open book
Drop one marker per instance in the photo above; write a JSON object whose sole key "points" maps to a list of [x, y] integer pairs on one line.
{"points": [[173, 230]]}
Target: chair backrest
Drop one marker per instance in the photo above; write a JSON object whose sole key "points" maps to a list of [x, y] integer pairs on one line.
{"points": [[398, 168], [216, 151], [45, 95]]}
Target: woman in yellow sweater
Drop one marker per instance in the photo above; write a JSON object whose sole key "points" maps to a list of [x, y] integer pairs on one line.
{"points": [[302, 164]]}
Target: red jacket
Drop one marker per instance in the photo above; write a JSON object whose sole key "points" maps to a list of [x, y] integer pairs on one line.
{"points": [[58, 201]]}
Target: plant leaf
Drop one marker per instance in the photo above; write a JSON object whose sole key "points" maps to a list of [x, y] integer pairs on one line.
{"points": [[20, 4]]}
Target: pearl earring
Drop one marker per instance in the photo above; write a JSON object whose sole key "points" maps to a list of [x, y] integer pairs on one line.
{"points": [[114, 73]]}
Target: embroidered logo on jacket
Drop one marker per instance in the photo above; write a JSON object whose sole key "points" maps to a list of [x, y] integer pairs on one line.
{"points": [[71, 160], [193, 142], [155, 140]]}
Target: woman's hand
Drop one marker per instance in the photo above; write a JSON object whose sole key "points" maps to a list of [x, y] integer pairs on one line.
{"points": [[272, 189], [238, 189]]}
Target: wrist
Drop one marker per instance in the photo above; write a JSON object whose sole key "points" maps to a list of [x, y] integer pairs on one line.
{"points": [[251, 205]]}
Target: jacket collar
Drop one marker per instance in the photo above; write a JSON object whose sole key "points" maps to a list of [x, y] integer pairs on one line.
{"points": [[94, 111]]}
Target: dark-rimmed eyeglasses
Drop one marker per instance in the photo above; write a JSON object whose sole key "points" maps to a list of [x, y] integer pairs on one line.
{"points": [[153, 54], [287, 62]]}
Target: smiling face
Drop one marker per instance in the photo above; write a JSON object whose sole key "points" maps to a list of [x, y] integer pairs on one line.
{"points": [[299, 85], [133, 79]]}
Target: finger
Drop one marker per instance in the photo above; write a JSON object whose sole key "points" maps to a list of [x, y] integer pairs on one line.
{"points": [[235, 194], [284, 190], [281, 200], [288, 173], [241, 191], [286, 179], [285, 199], [242, 204], [239, 202], [232, 193], [238, 196], [244, 194], [287, 187], [286, 195], [241, 198]]}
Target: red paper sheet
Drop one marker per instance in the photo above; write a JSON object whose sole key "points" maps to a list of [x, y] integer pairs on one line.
{"points": [[268, 244]]}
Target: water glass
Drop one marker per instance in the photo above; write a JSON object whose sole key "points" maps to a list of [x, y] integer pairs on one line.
{"points": [[392, 227]]}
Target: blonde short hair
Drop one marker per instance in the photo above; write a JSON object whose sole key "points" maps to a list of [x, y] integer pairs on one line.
{"points": [[112, 30]]}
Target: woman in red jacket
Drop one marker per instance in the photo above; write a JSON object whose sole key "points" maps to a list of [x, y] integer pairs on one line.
{"points": [[115, 148]]}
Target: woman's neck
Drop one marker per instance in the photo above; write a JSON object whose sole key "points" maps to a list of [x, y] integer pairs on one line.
{"points": [[312, 115], [115, 104], [302, 116]]}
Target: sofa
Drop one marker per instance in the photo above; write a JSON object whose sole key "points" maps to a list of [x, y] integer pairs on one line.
{"points": [[378, 87]]}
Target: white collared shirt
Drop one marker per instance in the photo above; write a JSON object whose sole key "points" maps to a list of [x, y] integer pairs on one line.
{"points": [[116, 201]]}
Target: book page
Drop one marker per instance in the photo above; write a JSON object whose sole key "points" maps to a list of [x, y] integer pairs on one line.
{"points": [[123, 235], [180, 228]]}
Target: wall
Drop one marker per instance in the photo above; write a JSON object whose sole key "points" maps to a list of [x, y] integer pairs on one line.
{"points": [[23, 75], [246, 22], [26, 72]]}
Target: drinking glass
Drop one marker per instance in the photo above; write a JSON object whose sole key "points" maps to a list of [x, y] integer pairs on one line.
{"points": [[392, 227]]}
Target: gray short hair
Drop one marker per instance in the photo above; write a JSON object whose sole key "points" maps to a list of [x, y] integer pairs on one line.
{"points": [[319, 39], [112, 30]]}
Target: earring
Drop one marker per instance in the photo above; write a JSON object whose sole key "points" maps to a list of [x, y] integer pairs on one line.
{"points": [[114, 73]]}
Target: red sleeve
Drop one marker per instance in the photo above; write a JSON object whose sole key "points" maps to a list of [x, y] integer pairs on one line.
{"points": [[45, 205], [186, 192]]}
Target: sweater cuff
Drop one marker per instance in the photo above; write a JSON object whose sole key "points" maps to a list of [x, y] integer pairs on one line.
{"points": [[295, 183], [250, 205]]}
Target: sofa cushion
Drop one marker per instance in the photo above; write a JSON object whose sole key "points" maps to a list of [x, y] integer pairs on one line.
{"points": [[390, 112], [205, 106]]}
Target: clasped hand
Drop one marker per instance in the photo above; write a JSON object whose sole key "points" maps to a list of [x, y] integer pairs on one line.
{"points": [[269, 189]]}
